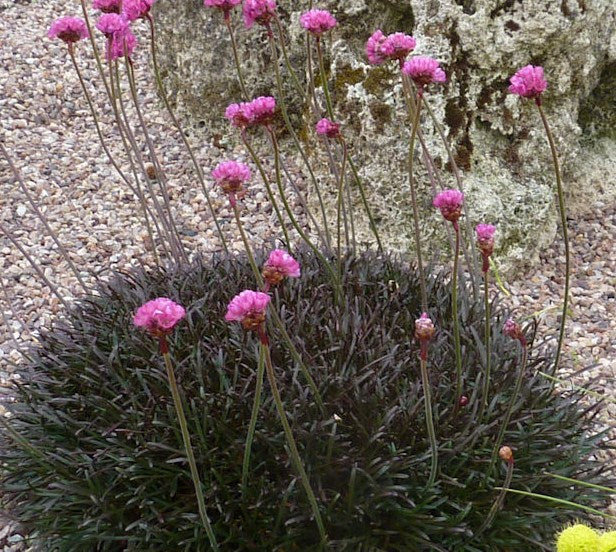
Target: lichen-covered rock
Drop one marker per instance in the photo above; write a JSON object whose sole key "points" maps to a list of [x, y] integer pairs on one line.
{"points": [[496, 138]]}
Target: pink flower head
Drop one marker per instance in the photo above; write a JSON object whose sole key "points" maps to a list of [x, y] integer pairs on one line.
{"points": [[528, 82], [326, 127], [424, 332], [231, 175], [381, 48], [450, 203], [373, 48], [121, 44], [259, 111], [258, 11], [111, 23], [69, 29], [398, 46], [107, 6], [159, 316], [318, 22], [485, 242], [280, 265], [424, 71], [134, 9], [225, 5], [248, 308], [512, 329]]}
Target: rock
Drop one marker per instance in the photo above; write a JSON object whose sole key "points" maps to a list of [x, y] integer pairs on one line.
{"points": [[497, 139]]}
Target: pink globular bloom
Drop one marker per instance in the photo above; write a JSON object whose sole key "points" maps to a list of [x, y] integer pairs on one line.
{"points": [[159, 316], [381, 48], [424, 332], [111, 23], [259, 111], [424, 71], [318, 22], [450, 204], [230, 176], [107, 6], [485, 243], [513, 330], [69, 29], [248, 308], [258, 11], [134, 9], [225, 5], [326, 127], [121, 44], [280, 265], [528, 82]]}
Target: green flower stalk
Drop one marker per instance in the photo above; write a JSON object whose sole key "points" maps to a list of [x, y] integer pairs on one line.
{"points": [[506, 455], [249, 308], [159, 317], [529, 82]]}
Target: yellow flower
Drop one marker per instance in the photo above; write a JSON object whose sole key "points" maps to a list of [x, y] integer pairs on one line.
{"points": [[578, 538], [607, 542]]}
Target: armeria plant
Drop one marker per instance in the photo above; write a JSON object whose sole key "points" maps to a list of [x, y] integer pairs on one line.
{"points": [[355, 345]]}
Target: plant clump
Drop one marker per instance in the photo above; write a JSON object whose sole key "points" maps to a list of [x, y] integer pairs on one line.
{"points": [[101, 465]]}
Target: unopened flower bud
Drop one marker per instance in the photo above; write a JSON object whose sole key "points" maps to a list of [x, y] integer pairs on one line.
{"points": [[506, 454], [512, 329], [424, 332], [463, 400]]}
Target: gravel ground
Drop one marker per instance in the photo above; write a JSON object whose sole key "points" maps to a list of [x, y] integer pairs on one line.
{"points": [[47, 128]]}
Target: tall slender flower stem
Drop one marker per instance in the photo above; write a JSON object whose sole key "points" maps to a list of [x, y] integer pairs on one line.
{"points": [[512, 401], [488, 345], [335, 278], [97, 57], [236, 57], [162, 178], [42, 217], [176, 122], [454, 310], [499, 499], [135, 189], [34, 265], [339, 209], [425, 383], [291, 130], [251, 258], [270, 193], [285, 56], [422, 275], [253, 418], [563, 221], [299, 466], [179, 409], [328, 100]]}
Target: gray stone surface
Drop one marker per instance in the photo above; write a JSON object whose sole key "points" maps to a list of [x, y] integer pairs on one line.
{"points": [[498, 140]]}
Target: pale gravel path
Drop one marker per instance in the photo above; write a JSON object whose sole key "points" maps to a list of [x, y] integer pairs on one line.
{"points": [[46, 126]]}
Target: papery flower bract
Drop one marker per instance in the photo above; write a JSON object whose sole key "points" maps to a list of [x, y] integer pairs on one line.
{"points": [[107, 6], [373, 48], [528, 82], [121, 44], [424, 71], [248, 308], [69, 29], [230, 176], [398, 46], [424, 332], [450, 204], [280, 265], [134, 9], [159, 316], [318, 22], [485, 242], [326, 127], [258, 11], [381, 48], [225, 5], [111, 23]]}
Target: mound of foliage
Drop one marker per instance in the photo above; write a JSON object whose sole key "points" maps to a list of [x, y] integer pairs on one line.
{"points": [[99, 463]]}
